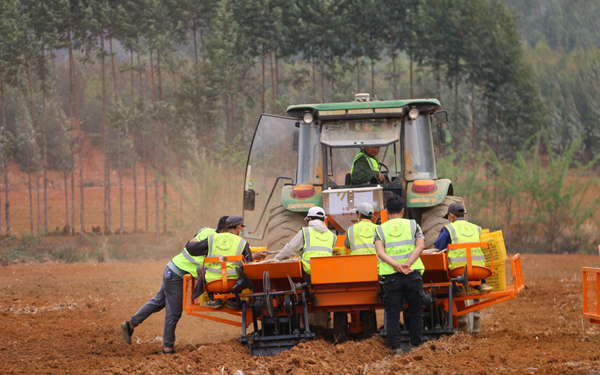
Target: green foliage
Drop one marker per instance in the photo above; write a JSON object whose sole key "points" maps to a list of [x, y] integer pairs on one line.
{"points": [[542, 205]]}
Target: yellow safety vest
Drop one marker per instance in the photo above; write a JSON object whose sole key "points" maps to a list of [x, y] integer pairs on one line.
{"points": [[223, 245], [316, 244], [189, 263], [204, 233], [361, 236], [398, 237], [461, 231], [373, 162]]}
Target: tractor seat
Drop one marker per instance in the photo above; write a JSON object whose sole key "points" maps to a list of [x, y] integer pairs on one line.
{"points": [[479, 272], [224, 284], [474, 272]]}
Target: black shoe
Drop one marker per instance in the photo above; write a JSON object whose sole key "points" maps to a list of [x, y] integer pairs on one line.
{"points": [[127, 331], [169, 352]]}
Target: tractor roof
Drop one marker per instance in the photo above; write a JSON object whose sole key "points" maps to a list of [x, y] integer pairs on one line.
{"points": [[299, 110]]}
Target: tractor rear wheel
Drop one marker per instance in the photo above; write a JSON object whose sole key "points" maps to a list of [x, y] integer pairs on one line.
{"points": [[340, 327], [368, 319], [433, 220], [283, 226]]}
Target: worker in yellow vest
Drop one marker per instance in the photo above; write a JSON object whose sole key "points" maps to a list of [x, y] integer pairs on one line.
{"points": [[170, 295], [359, 237], [399, 243], [227, 243], [365, 167], [461, 231], [312, 241]]}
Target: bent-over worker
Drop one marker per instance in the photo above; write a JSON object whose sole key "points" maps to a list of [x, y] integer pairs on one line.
{"points": [[170, 295]]}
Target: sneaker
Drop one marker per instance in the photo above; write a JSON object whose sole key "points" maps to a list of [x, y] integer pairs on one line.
{"points": [[214, 304], [127, 331], [168, 351], [231, 304], [483, 288]]}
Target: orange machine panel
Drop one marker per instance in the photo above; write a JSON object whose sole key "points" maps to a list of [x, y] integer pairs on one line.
{"points": [[436, 268], [278, 272], [344, 269]]}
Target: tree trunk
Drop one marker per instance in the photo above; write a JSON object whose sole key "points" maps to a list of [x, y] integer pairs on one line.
{"points": [[272, 79], [276, 75], [5, 134], [37, 179], [473, 119], [314, 79], [134, 153], [411, 74], [144, 154], [162, 142], [373, 79], [322, 81], [80, 152], [107, 225], [119, 159], [157, 158], [437, 80], [357, 74], [65, 181], [28, 160], [394, 64], [44, 155], [263, 81]]}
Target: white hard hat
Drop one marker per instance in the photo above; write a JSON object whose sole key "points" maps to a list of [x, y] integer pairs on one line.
{"points": [[316, 212], [365, 208]]}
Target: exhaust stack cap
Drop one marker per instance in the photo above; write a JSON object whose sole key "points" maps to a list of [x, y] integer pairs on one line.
{"points": [[362, 97]]}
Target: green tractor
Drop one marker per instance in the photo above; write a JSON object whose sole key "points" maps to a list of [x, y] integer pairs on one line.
{"points": [[305, 160]]}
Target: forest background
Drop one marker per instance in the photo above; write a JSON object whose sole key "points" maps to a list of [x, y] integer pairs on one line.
{"points": [[169, 93]]}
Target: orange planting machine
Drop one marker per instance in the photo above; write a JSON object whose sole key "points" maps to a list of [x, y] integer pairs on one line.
{"points": [[276, 299], [591, 290]]}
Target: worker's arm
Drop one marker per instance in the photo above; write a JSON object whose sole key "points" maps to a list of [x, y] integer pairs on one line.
{"points": [[380, 249], [197, 248], [362, 172], [443, 240], [347, 241], [292, 248]]}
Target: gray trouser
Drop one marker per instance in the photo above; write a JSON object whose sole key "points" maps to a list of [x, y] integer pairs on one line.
{"points": [[170, 296]]}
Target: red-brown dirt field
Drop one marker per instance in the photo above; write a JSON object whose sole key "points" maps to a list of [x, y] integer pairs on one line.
{"points": [[64, 318]]}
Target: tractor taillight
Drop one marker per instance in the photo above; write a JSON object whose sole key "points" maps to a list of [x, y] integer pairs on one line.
{"points": [[303, 191], [423, 186]]}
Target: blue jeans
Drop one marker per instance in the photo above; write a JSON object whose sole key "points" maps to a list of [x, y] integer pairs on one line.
{"points": [[170, 298]]}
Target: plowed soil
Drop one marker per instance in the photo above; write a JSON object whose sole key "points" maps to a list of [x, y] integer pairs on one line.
{"points": [[65, 318]]}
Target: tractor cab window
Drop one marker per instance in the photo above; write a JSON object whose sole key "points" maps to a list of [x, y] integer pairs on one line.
{"points": [[360, 132], [339, 162], [419, 153]]}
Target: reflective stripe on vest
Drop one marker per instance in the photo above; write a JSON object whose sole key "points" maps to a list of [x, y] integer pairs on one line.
{"points": [[234, 247], [361, 236], [188, 263], [461, 231], [316, 247], [373, 162], [398, 237]]}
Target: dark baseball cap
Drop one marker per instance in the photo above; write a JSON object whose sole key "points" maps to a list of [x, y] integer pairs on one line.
{"points": [[455, 208], [234, 221]]}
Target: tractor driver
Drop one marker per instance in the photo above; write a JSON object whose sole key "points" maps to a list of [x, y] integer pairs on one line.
{"points": [[365, 167]]}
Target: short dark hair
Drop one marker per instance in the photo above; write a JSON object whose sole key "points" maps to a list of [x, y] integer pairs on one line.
{"points": [[222, 226], [394, 204], [458, 214]]}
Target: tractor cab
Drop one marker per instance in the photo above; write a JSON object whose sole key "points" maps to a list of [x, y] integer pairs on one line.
{"points": [[304, 161]]}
